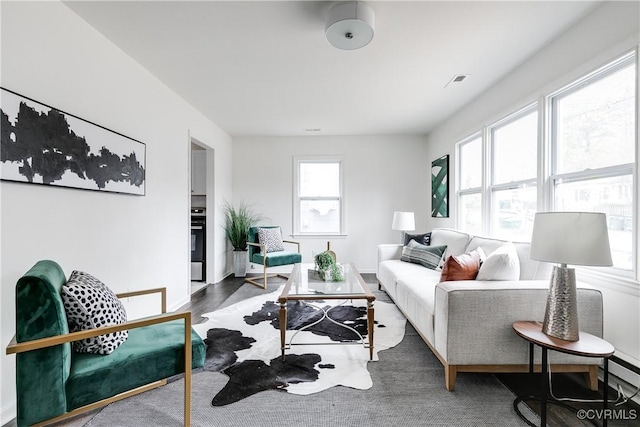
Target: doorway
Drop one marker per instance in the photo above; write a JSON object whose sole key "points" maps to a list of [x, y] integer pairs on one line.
{"points": [[198, 216]]}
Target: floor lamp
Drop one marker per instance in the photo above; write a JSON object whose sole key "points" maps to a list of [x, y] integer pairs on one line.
{"points": [[403, 221], [578, 238]]}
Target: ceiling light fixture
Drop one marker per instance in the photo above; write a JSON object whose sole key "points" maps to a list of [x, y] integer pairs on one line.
{"points": [[350, 25]]}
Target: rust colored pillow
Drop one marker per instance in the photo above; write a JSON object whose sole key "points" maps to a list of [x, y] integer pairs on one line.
{"points": [[461, 267]]}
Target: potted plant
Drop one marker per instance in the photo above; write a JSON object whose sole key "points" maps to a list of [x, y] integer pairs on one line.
{"points": [[238, 221], [327, 268]]}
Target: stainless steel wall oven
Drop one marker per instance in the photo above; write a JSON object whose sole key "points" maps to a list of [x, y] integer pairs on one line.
{"points": [[198, 246]]}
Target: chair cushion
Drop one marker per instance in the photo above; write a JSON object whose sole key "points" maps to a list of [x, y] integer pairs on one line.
{"points": [[274, 259], [150, 354], [90, 304], [271, 238]]}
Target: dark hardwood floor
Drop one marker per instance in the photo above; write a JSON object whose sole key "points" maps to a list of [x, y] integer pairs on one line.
{"points": [[212, 296]]}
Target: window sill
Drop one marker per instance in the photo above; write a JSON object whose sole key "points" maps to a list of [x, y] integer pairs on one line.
{"points": [[608, 280], [319, 236]]}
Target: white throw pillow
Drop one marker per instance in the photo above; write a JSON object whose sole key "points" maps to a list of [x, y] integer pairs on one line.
{"points": [[501, 264]]}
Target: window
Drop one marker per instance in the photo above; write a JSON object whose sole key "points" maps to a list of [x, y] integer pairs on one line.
{"points": [[583, 161], [318, 195], [593, 140], [470, 185], [513, 193]]}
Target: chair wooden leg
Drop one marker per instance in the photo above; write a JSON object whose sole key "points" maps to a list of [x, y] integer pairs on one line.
{"points": [[187, 371], [187, 399]]}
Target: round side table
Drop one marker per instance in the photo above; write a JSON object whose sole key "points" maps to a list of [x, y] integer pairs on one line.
{"points": [[588, 346]]}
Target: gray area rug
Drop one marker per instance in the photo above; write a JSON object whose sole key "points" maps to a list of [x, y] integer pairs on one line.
{"points": [[408, 390]]}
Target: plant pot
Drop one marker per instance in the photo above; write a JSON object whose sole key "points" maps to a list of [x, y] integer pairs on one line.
{"points": [[240, 263]]}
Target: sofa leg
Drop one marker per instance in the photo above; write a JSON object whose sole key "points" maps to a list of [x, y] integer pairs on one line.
{"points": [[592, 378], [450, 372]]}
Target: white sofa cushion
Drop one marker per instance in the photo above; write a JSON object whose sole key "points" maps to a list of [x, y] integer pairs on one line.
{"points": [[501, 264], [455, 241], [393, 270], [487, 244], [530, 269], [416, 298]]}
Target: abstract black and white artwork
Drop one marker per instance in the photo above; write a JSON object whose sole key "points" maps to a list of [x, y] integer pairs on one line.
{"points": [[43, 145]]}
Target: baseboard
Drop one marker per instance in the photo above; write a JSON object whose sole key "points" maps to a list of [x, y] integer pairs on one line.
{"points": [[628, 378], [257, 269], [177, 304], [8, 412], [628, 389]]}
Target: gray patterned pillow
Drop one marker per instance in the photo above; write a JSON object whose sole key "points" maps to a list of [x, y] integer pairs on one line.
{"points": [[427, 256], [271, 238], [90, 304]]}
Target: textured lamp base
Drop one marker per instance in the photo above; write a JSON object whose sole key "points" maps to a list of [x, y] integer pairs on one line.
{"points": [[561, 315]]}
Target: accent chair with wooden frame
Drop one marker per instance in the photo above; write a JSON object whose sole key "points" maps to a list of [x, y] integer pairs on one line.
{"points": [[259, 254], [54, 383]]}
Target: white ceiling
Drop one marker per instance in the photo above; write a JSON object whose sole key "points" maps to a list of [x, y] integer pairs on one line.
{"points": [[266, 68]]}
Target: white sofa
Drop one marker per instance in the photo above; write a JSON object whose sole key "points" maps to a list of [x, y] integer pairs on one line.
{"points": [[468, 323]]}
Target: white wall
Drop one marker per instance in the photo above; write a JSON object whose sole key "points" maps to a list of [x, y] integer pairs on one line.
{"points": [[609, 31], [130, 242], [382, 174]]}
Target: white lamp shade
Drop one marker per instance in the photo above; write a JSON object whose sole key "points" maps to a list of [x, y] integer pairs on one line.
{"points": [[403, 221], [350, 25], [577, 238]]}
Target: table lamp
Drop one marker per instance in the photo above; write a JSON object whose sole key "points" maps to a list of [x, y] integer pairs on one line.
{"points": [[403, 221], [578, 238]]}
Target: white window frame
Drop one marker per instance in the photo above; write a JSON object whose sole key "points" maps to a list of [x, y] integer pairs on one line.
{"points": [[547, 160], [604, 172], [297, 161], [493, 187], [461, 192]]}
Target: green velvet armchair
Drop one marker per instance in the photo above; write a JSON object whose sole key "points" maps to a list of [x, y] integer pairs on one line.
{"points": [[260, 254], [53, 382]]}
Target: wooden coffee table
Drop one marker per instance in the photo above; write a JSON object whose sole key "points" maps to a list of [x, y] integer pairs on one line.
{"points": [[302, 287]]}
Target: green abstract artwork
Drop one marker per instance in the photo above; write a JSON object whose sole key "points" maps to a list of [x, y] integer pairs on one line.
{"points": [[440, 187]]}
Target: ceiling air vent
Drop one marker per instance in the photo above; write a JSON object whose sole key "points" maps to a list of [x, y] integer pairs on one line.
{"points": [[458, 78]]}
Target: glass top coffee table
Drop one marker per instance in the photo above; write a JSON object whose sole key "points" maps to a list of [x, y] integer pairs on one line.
{"points": [[304, 285]]}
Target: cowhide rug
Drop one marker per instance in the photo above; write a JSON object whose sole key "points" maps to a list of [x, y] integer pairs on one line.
{"points": [[243, 342]]}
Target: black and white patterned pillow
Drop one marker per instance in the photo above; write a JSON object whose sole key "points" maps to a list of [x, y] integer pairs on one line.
{"points": [[427, 256], [90, 304], [271, 238]]}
